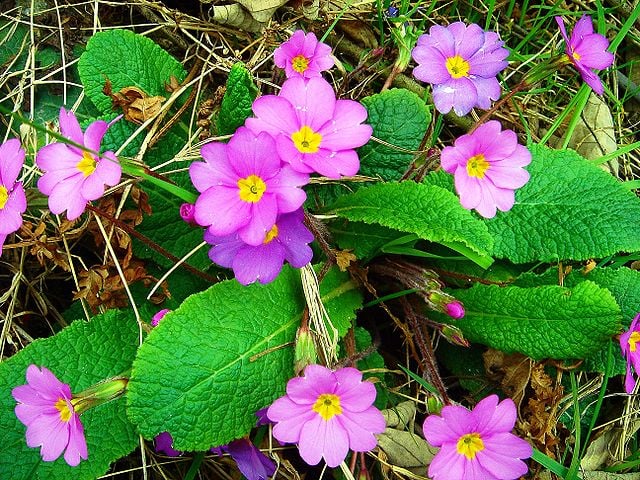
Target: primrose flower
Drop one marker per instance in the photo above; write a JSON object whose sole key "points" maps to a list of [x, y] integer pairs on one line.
{"points": [[287, 240], [327, 414], [13, 201], [164, 444], [46, 407], [244, 187], [303, 56], [477, 444], [487, 165], [252, 463], [461, 62], [314, 132], [629, 345], [587, 51], [73, 176]]}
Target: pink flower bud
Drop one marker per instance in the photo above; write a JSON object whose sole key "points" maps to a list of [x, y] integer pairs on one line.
{"points": [[159, 316], [187, 213], [455, 309]]}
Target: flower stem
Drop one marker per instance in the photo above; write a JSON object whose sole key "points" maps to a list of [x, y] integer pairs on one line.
{"points": [[137, 170]]}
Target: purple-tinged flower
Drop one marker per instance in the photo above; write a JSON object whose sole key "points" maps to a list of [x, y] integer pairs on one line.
{"points": [[252, 463], [477, 444], [187, 213], [461, 62], [46, 407], [13, 201], [73, 176], [164, 444], [244, 186], [455, 309], [314, 132], [487, 165], [287, 240], [327, 414], [303, 56], [587, 51], [155, 320], [629, 345]]}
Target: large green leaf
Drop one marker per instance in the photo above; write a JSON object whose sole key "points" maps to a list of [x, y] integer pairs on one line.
{"points": [[400, 118], [224, 354], [624, 285], [237, 100], [126, 59], [542, 322], [80, 355], [431, 212], [570, 209]]}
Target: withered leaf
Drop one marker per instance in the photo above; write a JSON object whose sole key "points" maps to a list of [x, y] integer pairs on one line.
{"points": [[137, 106]]}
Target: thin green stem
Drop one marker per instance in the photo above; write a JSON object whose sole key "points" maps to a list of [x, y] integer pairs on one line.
{"points": [[549, 463], [195, 466], [391, 296]]}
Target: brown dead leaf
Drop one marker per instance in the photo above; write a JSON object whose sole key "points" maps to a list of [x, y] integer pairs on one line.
{"points": [[512, 371], [344, 258], [137, 106]]}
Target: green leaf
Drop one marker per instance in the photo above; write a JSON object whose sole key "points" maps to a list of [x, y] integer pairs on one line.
{"points": [[14, 41], [400, 118], [342, 313], [224, 354], [365, 240], [624, 285], [126, 59], [541, 322], [430, 212], [80, 355], [570, 209], [237, 100]]}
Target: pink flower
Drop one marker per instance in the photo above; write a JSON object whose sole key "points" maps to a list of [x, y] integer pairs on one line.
{"points": [[73, 176], [13, 201], [314, 132], [46, 407], [252, 463], [629, 345], [159, 315], [327, 414], [461, 62], [487, 165], [477, 444], [455, 309], [244, 187], [303, 56], [587, 51], [287, 240]]}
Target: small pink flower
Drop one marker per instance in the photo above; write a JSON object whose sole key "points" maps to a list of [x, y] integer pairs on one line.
{"points": [[287, 240], [477, 444], [187, 213], [244, 186], [587, 51], [629, 345], [455, 309], [314, 132], [461, 62], [327, 414], [487, 165], [155, 320], [13, 201], [46, 407], [73, 176], [164, 444], [303, 56]]}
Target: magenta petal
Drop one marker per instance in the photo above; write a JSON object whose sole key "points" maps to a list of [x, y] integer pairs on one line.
{"points": [[334, 164], [468, 188], [275, 115], [583, 27], [361, 438], [289, 430], [431, 66], [491, 416], [457, 94], [591, 79], [563, 31], [444, 40], [320, 438], [225, 251], [437, 431], [252, 463], [108, 169], [262, 263], [77, 446], [93, 135], [447, 464], [291, 155], [10, 219], [261, 221], [251, 154], [286, 189], [313, 100], [221, 209], [57, 156], [216, 170], [468, 38], [593, 53], [11, 161], [488, 90], [69, 126], [56, 440]]}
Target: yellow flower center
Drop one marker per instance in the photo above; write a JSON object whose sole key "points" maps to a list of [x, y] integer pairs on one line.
{"points": [[634, 338], [251, 188], [300, 63], [457, 66], [575, 56], [87, 165], [477, 166], [271, 234], [327, 406], [4, 196], [306, 140], [62, 406], [469, 445]]}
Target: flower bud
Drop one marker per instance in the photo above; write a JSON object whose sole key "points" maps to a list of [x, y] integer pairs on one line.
{"points": [[305, 350], [155, 320], [99, 393], [187, 213], [454, 335], [455, 309]]}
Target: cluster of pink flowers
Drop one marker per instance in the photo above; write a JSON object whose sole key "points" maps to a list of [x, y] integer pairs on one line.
{"points": [[251, 188], [74, 174]]}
